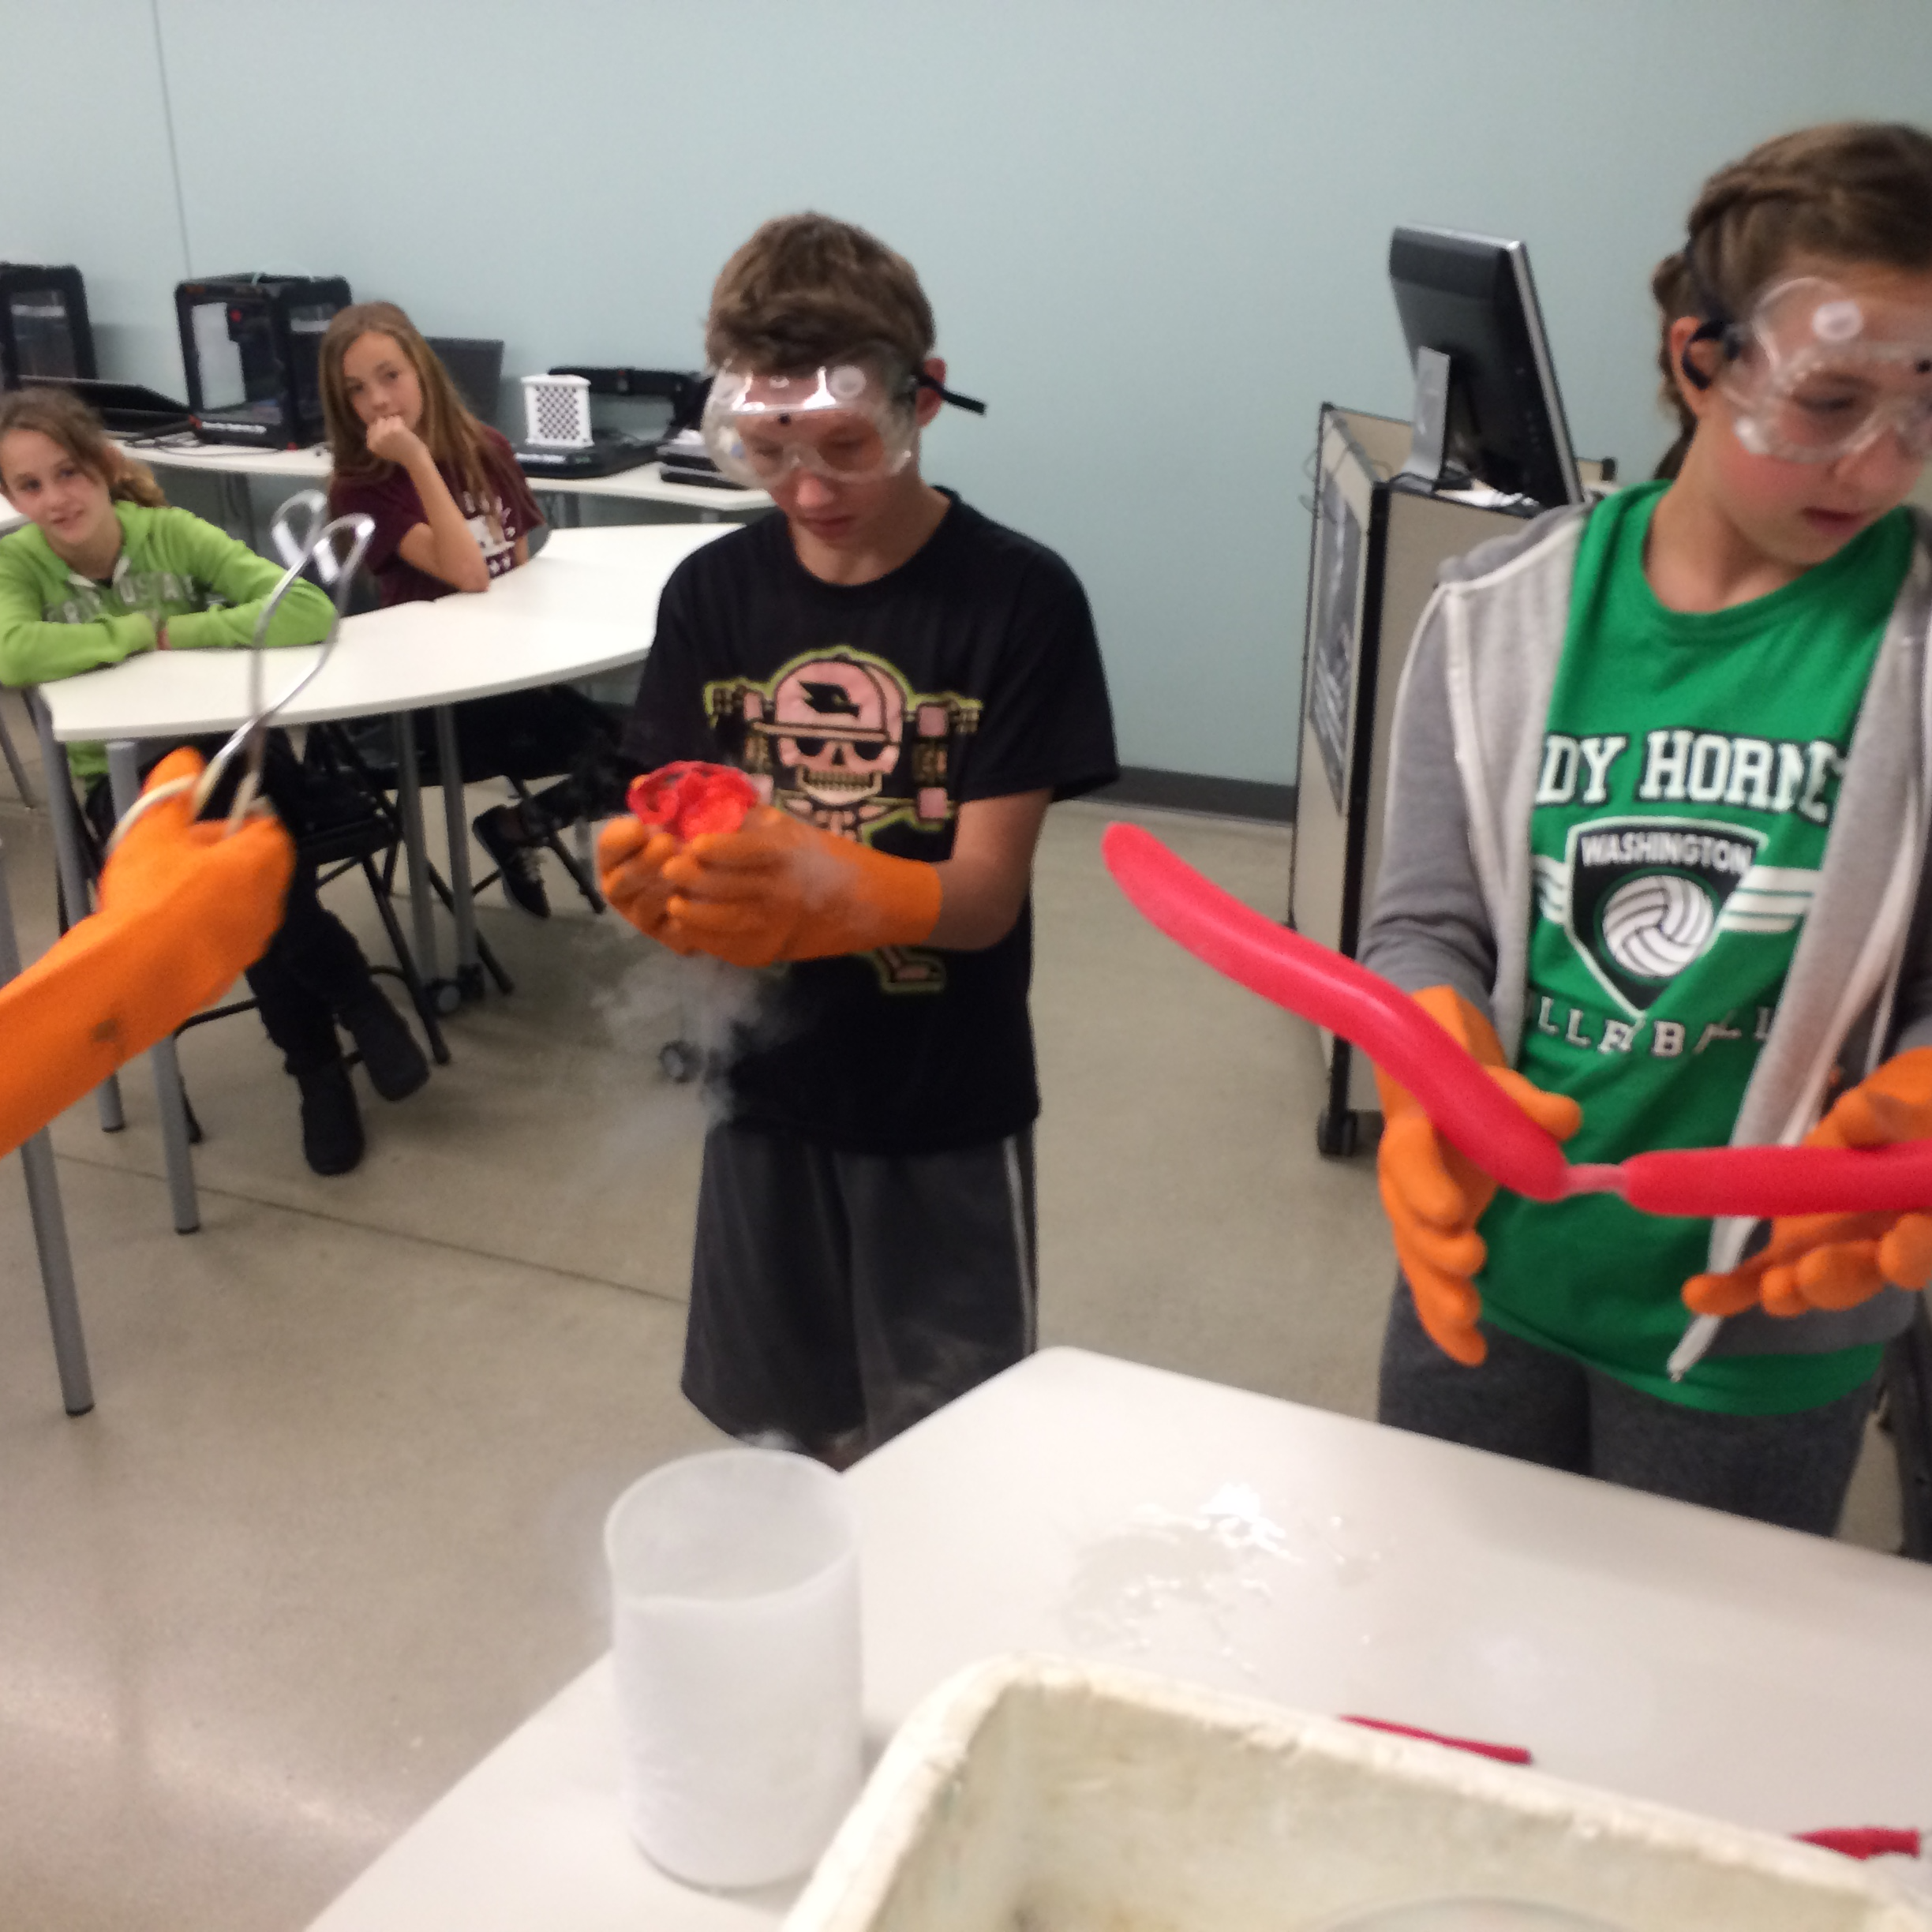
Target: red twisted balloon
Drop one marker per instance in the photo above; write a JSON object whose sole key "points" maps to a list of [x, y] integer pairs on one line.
{"points": [[1468, 1110]]}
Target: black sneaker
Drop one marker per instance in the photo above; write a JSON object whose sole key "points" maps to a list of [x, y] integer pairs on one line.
{"points": [[331, 1127], [515, 858], [394, 1062]]}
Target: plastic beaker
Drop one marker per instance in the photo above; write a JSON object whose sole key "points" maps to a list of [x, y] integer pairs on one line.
{"points": [[735, 1631]]}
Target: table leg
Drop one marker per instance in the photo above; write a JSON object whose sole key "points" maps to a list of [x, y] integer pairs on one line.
{"points": [[124, 776], [422, 898], [72, 870], [50, 1224], [449, 767]]}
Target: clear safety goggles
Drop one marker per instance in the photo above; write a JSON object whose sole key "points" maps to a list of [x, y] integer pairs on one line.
{"points": [[851, 421], [1815, 373]]}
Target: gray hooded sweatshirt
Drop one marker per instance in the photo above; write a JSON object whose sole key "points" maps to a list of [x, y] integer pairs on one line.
{"points": [[1452, 903]]}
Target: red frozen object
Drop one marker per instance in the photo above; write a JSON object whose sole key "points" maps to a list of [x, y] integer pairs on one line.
{"points": [[690, 798], [1468, 1110], [1865, 1841]]}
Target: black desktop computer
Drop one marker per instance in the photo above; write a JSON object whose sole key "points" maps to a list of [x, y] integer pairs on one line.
{"points": [[251, 347]]}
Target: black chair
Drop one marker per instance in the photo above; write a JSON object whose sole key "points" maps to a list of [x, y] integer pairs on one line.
{"points": [[351, 827]]}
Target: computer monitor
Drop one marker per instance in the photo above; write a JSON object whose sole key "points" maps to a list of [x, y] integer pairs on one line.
{"points": [[475, 365], [43, 325], [1471, 299]]}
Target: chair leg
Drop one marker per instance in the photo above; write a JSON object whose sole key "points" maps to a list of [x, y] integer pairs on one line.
{"points": [[71, 853], [405, 963], [19, 770]]}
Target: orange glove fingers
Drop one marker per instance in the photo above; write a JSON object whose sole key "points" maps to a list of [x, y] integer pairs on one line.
{"points": [[1448, 1309], [1840, 1276], [1557, 1114], [621, 839], [1412, 1166], [1905, 1253], [1459, 1252], [631, 858], [1722, 1294]]}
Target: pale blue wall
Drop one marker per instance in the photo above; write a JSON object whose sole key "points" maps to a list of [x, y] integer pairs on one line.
{"points": [[1153, 233]]}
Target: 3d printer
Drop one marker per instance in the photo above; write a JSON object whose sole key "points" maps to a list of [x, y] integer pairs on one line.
{"points": [[43, 325], [250, 345]]}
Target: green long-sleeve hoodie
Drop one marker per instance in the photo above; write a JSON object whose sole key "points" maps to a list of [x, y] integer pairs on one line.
{"points": [[56, 623]]}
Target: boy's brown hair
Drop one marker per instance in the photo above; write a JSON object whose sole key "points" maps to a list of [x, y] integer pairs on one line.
{"points": [[1850, 192], [805, 289], [63, 418]]}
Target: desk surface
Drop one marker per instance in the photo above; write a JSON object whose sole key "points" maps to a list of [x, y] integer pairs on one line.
{"points": [[643, 483], [587, 603], [10, 518], [1090, 1507]]}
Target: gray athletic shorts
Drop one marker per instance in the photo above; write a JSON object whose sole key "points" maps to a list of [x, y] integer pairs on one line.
{"points": [[1540, 1406], [837, 1298]]}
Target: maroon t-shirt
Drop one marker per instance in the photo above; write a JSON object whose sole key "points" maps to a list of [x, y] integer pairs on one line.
{"points": [[392, 501]]}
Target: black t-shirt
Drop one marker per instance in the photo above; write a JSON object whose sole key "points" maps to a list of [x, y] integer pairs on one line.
{"points": [[875, 710]]}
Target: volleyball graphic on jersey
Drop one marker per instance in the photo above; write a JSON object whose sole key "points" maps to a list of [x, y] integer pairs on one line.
{"points": [[1655, 924]]}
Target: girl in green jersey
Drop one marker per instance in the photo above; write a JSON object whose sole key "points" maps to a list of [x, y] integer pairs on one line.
{"points": [[1657, 851]]}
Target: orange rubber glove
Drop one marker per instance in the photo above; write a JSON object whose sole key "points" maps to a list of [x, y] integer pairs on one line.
{"points": [[184, 908], [781, 890], [630, 862], [1835, 1261], [1434, 1195]]}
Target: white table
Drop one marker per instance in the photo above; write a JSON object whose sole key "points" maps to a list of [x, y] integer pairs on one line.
{"points": [[1086, 1506], [587, 604], [10, 518], [235, 466]]}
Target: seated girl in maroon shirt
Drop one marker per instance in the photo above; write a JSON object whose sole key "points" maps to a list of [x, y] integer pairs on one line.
{"points": [[451, 511]]}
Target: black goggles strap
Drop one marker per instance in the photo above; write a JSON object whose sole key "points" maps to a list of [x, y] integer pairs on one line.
{"points": [[1718, 325], [922, 380]]}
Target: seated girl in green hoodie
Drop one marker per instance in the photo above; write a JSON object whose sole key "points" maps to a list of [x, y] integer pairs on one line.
{"points": [[106, 569]]}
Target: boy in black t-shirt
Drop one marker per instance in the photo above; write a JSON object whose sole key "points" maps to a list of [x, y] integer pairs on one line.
{"points": [[910, 686]]}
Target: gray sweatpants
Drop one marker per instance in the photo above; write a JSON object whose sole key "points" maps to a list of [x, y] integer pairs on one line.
{"points": [[837, 1298], [1540, 1406]]}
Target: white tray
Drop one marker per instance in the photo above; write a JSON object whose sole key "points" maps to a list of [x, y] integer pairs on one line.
{"points": [[1031, 1795]]}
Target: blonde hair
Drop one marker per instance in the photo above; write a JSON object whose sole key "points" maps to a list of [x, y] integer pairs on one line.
{"points": [[806, 288], [453, 436], [1849, 192], [63, 418]]}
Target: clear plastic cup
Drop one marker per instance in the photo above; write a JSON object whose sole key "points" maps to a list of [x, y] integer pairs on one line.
{"points": [[735, 1631]]}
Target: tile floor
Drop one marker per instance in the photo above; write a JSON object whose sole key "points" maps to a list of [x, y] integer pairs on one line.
{"points": [[332, 1529]]}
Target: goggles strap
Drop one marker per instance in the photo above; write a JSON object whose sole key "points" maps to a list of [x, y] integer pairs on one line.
{"points": [[922, 380], [1718, 325]]}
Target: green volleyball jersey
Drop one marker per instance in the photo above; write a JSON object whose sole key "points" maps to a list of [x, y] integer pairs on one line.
{"points": [[1690, 767]]}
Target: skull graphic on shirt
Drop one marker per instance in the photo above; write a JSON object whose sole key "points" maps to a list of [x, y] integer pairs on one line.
{"points": [[839, 739]]}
